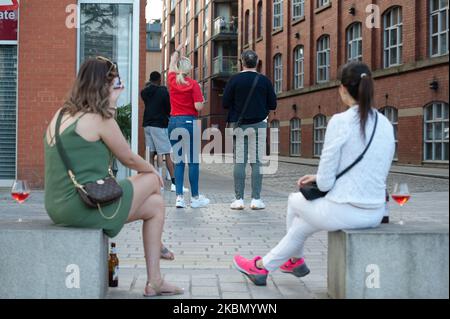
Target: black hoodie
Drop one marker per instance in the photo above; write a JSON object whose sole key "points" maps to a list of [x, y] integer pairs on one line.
{"points": [[157, 106]]}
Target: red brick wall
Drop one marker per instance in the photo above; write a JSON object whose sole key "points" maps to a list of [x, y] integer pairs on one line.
{"points": [[405, 90], [47, 69], [47, 66]]}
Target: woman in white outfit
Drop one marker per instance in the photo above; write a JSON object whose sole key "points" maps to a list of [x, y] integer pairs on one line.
{"points": [[355, 200]]}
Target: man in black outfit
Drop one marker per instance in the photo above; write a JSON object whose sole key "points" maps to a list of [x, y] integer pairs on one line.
{"points": [[156, 121], [253, 121]]}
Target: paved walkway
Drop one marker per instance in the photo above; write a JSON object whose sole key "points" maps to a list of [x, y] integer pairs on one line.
{"points": [[205, 240]]}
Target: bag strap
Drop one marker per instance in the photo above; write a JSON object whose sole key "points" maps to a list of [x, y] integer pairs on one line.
{"points": [[359, 159], [247, 101], [62, 152]]}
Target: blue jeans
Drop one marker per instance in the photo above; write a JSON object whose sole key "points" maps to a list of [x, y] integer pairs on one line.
{"points": [[181, 132]]}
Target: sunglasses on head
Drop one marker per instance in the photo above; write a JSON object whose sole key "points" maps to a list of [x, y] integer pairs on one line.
{"points": [[113, 65]]}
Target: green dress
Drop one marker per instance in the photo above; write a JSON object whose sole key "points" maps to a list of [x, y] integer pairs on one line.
{"points": [[90, 161]]}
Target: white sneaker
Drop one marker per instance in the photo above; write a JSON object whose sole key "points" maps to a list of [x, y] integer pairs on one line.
{"points": [[181, 203], [257, 204], [168, 177], [199, 202], [173, 189], [238, 204]]}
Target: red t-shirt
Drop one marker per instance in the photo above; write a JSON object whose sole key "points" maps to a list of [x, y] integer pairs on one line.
{"points": [[183, 97]]}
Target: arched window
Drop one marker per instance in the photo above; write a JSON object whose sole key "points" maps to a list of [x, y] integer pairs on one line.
{"points": [[260, 19], [296, 137], [436, 134], [299, 67], [392, 115], [438, 27], [320, 127], [354, 42], [278, 73], [393, 37], [323, 59], [246, 27], [277, 14], [275, 137]]}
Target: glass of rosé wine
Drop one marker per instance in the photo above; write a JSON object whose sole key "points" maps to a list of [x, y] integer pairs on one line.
{"points": [[20, 191], [401, 195]]}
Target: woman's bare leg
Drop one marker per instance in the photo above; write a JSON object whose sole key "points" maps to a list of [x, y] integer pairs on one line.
{"points": [[148, 205]]}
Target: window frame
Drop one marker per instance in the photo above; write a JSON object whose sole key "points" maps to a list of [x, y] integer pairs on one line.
{"points": [[434, 122], [391, 113], [326, 51], [319, 128], [440, 32], [352, 41], [295, 131], [277, 19], [299, 67], [300, 6], [387, 30], [275, 137], [278, 73]]}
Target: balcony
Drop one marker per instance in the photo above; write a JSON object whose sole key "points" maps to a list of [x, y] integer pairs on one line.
{"points": [[222, 27], [225, 66]]}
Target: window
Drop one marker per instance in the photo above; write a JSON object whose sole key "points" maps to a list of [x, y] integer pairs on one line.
{"points": [[260, 20], [436, 132], [277, 14], [296, 137], [299, 70], [8, 105], [321, 3], [438, 27], [354, 42], [246, 27], [278, 73], [392, 115], [275, 137], [393, 37], [298, 9], [320, 127], [323, 59]]}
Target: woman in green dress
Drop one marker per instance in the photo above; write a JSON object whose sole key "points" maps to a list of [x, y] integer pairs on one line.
{"points": [[90, 134]]}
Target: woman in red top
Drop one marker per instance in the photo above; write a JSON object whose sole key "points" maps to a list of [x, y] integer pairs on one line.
{"points": [[186, 100]]}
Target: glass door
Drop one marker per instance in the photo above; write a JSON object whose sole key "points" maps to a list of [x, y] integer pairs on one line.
{"points": [[111, 29]]}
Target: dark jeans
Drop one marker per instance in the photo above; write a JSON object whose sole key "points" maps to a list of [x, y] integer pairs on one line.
{"points": [[186, 149]]}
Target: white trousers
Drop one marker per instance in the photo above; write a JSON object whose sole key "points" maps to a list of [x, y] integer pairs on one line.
{"points": [[305, 218]]}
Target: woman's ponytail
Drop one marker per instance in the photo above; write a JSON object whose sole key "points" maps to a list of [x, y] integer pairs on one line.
{"points": [[357, 79], [184, 66]]}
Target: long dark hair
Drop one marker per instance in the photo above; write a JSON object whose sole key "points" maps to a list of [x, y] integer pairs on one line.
{"points": [[356, 77]]}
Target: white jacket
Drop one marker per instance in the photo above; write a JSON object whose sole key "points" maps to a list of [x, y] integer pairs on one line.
{"points": [[365, 184]]}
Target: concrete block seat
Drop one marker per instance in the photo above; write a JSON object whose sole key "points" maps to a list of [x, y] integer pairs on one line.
{"points": [[392, 261], [41, 260]]}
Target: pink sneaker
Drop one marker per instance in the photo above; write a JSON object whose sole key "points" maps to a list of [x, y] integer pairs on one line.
{"points": [[298, 269], [248, 268]]}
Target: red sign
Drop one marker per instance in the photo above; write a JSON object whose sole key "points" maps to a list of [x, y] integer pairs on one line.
{"points": [[9, 5], [8, 25]]}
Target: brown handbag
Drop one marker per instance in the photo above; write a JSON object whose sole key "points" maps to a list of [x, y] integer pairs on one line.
{"points": [[103, 192]]}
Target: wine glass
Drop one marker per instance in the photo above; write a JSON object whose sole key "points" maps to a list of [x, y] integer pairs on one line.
{"points": [[20, 191], [401, 195]]}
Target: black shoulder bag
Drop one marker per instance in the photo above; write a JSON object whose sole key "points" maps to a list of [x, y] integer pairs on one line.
{"points": [[96, 194], [312, 192], [247, 102]]}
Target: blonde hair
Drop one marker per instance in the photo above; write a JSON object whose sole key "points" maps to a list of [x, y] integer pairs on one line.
{"points": [[184, 66]]}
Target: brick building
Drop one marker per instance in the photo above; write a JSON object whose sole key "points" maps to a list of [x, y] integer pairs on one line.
{"points": [[154, 54], [302, 44], [208, 29], [39, 59]]}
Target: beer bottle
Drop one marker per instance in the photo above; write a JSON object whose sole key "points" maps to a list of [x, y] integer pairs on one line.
{"points": [[113, 265], [386, 209]]}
